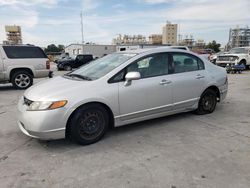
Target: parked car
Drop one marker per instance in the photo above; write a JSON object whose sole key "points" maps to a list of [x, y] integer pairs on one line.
{"points": [[19, 64], [62, 59], [213, 57], [119, 89], [236, 56], [69, 64]]}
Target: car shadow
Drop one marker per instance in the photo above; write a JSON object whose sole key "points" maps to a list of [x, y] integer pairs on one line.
{"points": [[117, 131], [6, 87]]}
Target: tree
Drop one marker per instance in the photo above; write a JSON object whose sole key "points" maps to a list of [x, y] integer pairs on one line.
{"points": [[214, 46], [54, 48], [61, 47]]}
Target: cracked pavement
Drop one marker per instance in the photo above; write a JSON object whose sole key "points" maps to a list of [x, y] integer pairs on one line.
{"points": [[183, 150]]}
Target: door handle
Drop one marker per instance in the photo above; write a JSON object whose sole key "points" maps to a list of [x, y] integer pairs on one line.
{"points": [[198, 76], [165, 82]]}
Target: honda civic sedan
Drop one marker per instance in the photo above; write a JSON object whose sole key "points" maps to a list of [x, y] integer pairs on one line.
{"points": [[118, 89]]}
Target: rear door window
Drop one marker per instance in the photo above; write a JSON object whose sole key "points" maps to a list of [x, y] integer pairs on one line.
{"points": [[20, 52], [183, 62]]}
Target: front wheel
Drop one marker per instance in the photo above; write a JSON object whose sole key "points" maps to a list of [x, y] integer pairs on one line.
{"points": [[89, 124], [21, 80], [67, 68], [207, 102]]}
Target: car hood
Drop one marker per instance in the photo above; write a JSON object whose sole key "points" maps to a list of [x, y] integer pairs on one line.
{"points": [[55, 89]]}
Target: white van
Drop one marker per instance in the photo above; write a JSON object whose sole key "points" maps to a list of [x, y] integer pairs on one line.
{"points": [[19, 64]]}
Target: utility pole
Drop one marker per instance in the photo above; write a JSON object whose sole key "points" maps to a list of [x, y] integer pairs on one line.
{"points": [[82, 32]]}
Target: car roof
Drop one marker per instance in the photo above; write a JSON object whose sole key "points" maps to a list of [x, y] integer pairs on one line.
{"points": [[154, 50]]}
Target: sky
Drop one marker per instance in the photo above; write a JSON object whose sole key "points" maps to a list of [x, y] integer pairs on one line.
{"points": [[45, 22]]}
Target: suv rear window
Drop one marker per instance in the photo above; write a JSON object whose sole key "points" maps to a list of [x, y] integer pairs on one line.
{"points": [[19, 52]]}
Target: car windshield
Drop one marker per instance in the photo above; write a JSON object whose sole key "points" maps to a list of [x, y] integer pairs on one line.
{"points": [[238, 51], [100, 67]]}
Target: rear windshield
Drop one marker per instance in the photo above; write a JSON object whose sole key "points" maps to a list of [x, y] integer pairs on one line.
{"points": [[19, 52]]}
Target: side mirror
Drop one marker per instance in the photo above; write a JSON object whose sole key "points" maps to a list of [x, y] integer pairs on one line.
{"points": [[131, 76]]}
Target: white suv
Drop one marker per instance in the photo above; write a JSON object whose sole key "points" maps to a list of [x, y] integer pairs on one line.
{"points": [[19, 64], [236, 56]]}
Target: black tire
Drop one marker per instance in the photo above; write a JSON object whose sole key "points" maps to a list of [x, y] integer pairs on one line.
{"points": [[22, 79], [207, 102], [88, 124], [67, 68]]}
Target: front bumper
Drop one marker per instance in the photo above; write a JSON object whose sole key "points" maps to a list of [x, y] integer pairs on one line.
{"points": [[223, 91], [44, 125], [225, 63], [223, 94]]}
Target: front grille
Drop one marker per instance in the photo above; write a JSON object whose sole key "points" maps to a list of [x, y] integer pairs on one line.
{"points": [[227, 58], [223, 58], [27, 101]]}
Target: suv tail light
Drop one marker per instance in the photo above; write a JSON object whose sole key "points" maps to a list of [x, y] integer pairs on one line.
{"points": [[48, 64]]}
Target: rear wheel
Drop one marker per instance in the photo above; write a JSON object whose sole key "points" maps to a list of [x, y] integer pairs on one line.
{"points": [[21, 80], [207, 102], [89, 124]]}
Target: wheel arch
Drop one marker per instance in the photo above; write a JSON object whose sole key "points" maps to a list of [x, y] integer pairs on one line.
{"points": [[215, 89], [14, 70], [243, 61], [110, 114]]}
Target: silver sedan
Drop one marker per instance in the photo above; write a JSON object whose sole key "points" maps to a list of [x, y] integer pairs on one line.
{"points": [[119, 89]]}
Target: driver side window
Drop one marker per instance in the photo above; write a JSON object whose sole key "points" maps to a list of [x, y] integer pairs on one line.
{"points": [[151, 66]]}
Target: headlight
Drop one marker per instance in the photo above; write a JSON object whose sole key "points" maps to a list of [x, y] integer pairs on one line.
{"points": [[46, 105]]}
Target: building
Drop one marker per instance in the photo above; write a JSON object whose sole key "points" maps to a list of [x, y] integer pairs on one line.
{"points": [[200, 43], [13, 34], [239, 37], [95, 49], [155, 39], [130, 39], [169, 34], [187, 41]]}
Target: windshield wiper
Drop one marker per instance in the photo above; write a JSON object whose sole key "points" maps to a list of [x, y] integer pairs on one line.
{"points": [[80, 76]]}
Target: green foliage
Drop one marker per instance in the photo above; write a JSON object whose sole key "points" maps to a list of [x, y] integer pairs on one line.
{"points": [[214, 46], [54, 48]]}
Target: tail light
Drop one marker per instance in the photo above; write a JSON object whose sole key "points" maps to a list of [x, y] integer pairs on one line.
{"points": [[48, 64]]}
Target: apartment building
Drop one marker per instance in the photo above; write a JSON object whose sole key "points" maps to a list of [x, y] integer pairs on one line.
{"points": [[169, 34]]}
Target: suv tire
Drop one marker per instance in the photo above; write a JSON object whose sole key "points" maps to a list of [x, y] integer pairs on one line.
{"points": [[22, 79]]}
